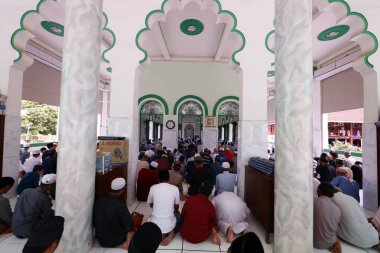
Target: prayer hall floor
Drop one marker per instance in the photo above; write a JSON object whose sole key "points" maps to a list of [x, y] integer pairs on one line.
{"points": [[11, 244]]}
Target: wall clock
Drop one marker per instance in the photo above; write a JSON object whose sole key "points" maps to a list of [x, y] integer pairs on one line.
{"points": [[170, 124]]}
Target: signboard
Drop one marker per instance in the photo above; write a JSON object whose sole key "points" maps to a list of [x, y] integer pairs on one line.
{"points": [[210, 122]]}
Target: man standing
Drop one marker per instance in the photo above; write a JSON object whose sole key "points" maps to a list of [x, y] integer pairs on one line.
{"points": [[226, 181], [164, 199], [112, 221], [33, 161], [326, 219], [231, 214], [6, 183], [33, 205], [25, 154]]}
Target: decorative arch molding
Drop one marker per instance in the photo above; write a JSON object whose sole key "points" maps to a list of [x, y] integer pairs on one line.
{"points": [[190, 97], [223, 16], [157, 98], [340, 12], [36, 23], [221, 101]]}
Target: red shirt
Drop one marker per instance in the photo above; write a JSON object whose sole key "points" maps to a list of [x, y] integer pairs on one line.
{"points": [[229, 155], [198, 219], [145, 180]]}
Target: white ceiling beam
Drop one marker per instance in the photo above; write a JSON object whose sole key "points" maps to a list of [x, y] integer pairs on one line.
{"points": [[222, 43], [157, 31]]}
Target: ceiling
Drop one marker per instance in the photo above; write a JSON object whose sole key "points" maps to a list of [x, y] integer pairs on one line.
{"points": [[190, 31], [41, 36]]}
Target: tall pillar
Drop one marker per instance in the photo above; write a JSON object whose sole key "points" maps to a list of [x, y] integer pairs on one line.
{"points": [[294, 124], [78, 118]]}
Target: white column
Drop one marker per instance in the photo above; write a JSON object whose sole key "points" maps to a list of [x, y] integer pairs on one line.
{"points": [[317, 119], [230, 134], [150, 130], [78, 116], [105, 105], [159, 132], [294, 111]]}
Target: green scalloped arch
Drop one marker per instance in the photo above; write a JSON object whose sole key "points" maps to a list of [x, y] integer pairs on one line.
{"points": [[37, 10], [220, 11], [267, 40], [220, 101], [365, 31], [105, 28], [159, 98], [179, 101]]}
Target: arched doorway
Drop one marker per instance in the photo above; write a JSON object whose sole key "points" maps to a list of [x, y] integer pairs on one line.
{"points": [[190, 120], [228, 118], [151, 122]]}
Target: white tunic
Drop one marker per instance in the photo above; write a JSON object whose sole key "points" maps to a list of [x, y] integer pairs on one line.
{"points": [[353, 226], [30, 163], [231, 211]]}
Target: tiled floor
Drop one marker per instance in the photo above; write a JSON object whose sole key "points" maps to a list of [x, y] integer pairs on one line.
{"points": [[11, 244]]}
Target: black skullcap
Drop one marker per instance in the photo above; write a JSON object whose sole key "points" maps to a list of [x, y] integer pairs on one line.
{"points": [[44, 233], [248, 243], [146, 240], [5, 181]]}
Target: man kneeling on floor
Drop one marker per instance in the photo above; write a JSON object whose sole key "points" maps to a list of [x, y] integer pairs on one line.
{"points": [[231, 214], [45, 235], [199, 217], [112, 220], [164, 199], [32, 206]]}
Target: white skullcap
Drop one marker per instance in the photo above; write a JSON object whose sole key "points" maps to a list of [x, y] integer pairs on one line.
{"points": [[226, 165], [26, 145], [36, 152], [49, 179], [118, 184], [221, 149], [154, 164], [147, 153], [197, 155]]}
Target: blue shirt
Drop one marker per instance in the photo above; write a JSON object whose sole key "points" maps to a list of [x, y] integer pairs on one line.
{"points": [[25, 155], [347, 186], [225, 182], [30, 180]]}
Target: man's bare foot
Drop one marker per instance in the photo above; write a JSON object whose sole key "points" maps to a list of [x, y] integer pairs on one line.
{"points": [[230, 235], [216, 240], [168, 239], [337, 248]]}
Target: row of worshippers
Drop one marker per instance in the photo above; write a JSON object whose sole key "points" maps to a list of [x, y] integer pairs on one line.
{"points": [[45, 156], [116, 227], [335, 171], [339, 216]]}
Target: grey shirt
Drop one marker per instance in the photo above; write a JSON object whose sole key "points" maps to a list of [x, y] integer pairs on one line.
{"points": [[326, 221], [5, 211], [32, 205]]}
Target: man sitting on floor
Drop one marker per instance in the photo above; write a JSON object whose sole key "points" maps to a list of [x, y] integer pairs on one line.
{"points": [[231, 214], [344, 182], [145, 179], [353, 226], [30, 180], [326, 219], [200, 176], [112, 220], [199, 218], [32, 206], [247, 243], [226, 181], [325, 172], [6, 183], [45, 235], [164, 199], [176, 179]]}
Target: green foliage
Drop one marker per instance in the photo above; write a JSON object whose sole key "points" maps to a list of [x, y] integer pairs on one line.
{"points": [[345, 146], [37, 118]]}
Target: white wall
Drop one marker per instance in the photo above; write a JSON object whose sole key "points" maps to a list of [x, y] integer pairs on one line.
{"points": [[173, 80]]}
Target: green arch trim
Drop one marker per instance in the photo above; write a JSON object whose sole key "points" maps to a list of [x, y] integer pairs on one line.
{"points": [[105, 28], [220, 11], [179, 101], [37, 10], [159, 98], [267, 40], [220, 101], [365, 31]]}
